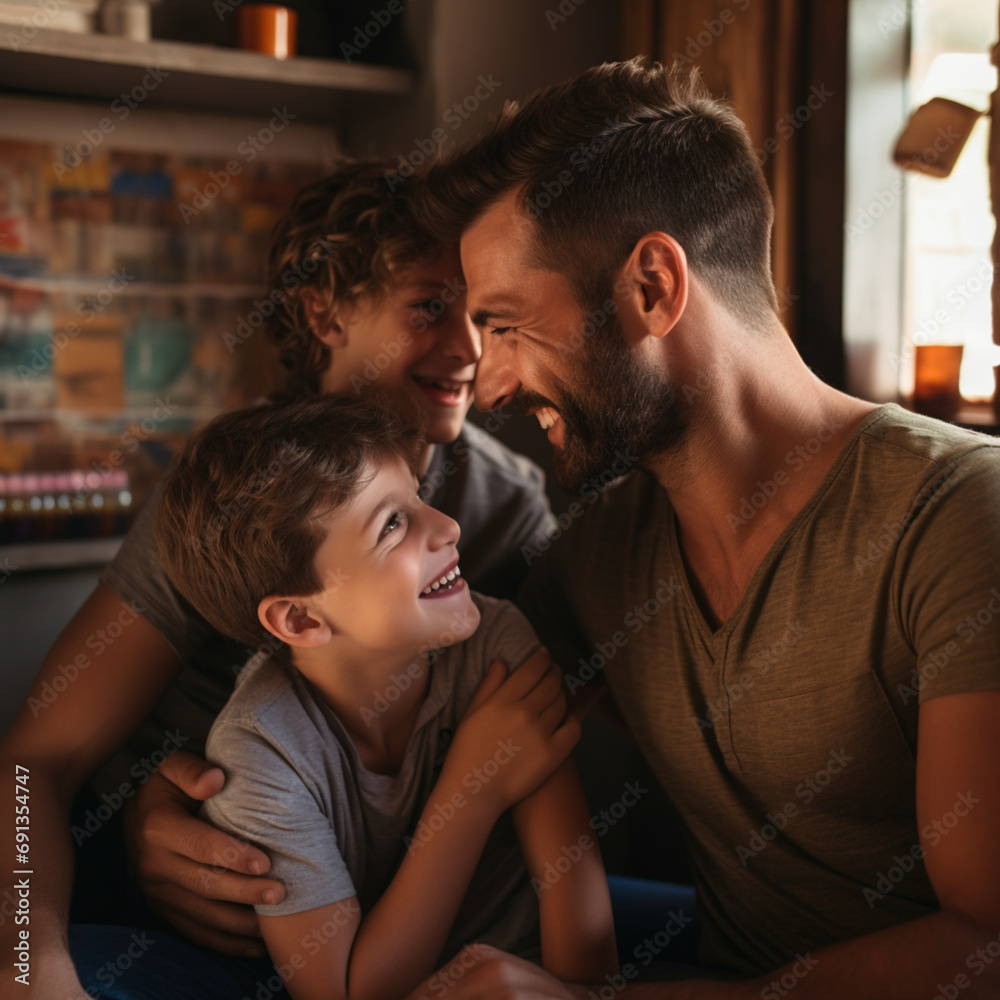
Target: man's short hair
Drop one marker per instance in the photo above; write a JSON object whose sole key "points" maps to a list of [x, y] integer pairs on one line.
{"points": [[624, 149], [346, 236], [243, 509]]}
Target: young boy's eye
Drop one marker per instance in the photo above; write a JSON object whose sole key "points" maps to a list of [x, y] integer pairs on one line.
{"points": [[394, 521]]}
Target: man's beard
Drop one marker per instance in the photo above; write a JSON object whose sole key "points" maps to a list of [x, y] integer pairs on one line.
{"points": [[618, 413]]}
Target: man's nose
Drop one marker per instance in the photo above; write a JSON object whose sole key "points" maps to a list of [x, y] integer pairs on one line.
{"points": [[496, 382]]}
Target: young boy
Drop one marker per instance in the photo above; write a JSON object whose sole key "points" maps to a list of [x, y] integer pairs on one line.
{"points": [[360, 754]]}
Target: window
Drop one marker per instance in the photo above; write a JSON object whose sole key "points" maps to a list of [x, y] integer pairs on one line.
{"points": [[948, 224]]}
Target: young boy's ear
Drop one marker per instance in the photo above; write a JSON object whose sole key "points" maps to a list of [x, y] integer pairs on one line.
{"points": [[327, 325], [292, 621]]}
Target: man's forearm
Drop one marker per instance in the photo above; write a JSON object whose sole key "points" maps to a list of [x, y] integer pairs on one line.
{"points": [[35, 904], [918, 959]]}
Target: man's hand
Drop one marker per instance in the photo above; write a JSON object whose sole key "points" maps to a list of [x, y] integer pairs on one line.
{"points": [[480, 972], [201, 879], [515, 732]]}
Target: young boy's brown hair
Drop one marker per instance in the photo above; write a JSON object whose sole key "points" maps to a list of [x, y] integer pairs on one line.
{"points": [[242, 510], [345, 237]]}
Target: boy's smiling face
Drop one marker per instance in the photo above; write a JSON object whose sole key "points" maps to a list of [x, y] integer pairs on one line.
{"points": [[383, 555], [415, 340]]}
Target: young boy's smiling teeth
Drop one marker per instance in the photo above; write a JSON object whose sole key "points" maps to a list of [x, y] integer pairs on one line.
{"points": [[447, 582]]}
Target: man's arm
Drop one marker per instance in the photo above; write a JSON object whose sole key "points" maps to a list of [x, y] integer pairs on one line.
{"points": [[553, 826], [57, 742], [954, 951]]}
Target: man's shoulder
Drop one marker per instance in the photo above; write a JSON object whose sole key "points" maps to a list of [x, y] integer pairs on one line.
{"points": [[925, 441]]}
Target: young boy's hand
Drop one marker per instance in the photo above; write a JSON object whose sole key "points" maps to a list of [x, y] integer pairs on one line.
{"points": [[514, 734]]}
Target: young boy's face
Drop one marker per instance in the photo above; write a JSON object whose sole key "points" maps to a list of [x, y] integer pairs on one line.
{"points": [[416, 340], [379, 562]]}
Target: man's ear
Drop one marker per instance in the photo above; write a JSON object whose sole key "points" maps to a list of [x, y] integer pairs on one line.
{"points": [[652, 286], [328, 325], [291, 620]]}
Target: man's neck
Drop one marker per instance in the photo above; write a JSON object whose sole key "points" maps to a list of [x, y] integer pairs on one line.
{"points": [[763, 434]]}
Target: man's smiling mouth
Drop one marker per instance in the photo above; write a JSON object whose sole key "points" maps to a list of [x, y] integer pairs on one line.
{"points": [[547, 416]]}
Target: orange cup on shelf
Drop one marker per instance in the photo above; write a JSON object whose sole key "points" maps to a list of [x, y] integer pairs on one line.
{"points": [[936, 380], [267, 28]]}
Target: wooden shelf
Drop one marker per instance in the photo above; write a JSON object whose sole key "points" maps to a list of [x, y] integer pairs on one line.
{"points": [[59, 555], [207, 77]]}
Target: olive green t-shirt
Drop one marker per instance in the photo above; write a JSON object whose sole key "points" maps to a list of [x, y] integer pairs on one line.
{"points": [[787, 738]]}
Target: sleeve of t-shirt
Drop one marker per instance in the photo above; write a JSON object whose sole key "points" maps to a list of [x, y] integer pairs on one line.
{"points": [[266, 802], [503, 634], [136, 574], [947, 584]]}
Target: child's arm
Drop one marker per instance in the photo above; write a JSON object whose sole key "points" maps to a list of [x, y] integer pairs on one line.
{"points": [[553, 826], [396, 945]]}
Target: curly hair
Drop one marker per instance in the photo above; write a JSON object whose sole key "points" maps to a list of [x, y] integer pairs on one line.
{"points": [[345, 237]]}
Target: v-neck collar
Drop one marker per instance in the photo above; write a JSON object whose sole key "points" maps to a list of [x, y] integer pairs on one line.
{"points": [[716, 638]]}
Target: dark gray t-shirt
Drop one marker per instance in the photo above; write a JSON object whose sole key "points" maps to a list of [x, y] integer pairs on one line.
{"points": [[497, 497], [787, 738], [296, 787]]}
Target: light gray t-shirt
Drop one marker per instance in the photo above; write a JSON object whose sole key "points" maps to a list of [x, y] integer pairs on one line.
{"points": [[296, 787], [787, 738], [497, 497]]}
